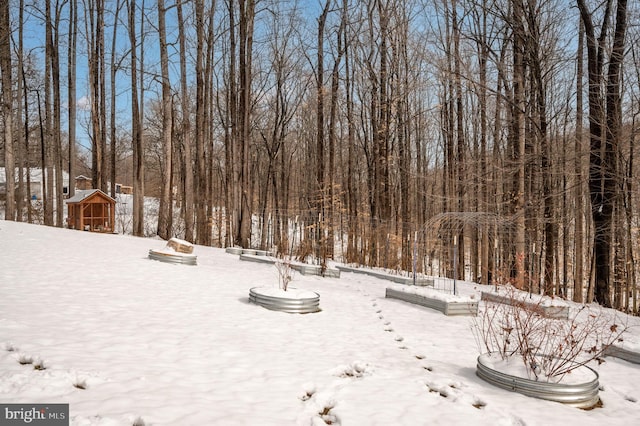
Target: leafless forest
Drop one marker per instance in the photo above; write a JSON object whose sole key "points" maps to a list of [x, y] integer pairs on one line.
{"points": [[490, 139]]}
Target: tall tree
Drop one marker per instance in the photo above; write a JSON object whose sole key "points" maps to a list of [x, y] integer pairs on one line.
{"points": [[136, 129], [47, 166], [518, 137], [319, 199], [187, 161], [165, 210], [22, 151], [604, 129], [53, 47], [113, 69], [332, 137], [578, 273], [246, 16], [7, 110], [71, 92], [95, 34], [202, 222]]}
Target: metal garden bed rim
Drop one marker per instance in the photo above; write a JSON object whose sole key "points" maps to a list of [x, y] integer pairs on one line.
{"points": [[283, 304], [580, 395], [181, 259]]}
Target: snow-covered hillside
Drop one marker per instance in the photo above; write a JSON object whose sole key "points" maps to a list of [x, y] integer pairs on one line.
{"points": [[124, 339]]}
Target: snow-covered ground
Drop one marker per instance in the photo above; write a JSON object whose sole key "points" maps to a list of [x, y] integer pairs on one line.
{"points": [[124, 339]]}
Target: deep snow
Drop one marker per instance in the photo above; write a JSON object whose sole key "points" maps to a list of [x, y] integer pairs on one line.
{"points": [[169, 344]]}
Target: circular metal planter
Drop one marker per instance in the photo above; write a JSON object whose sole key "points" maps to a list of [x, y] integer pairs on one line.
{"points": [[292, 305], [178, 258], [580, 395]]}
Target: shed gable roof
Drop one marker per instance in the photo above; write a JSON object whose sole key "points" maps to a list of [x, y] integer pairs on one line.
{"points": [[85, 195]]}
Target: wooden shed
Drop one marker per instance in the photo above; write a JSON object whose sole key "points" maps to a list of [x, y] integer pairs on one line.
{"points": [[83, 183], [91, 210]]}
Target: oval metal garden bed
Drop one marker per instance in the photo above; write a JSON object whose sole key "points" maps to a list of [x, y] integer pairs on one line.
{"points": [[179, 258], [298, 303], [581, 395]]}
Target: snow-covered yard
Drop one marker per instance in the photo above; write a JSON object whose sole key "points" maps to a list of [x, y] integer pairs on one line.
{"points": [[123, 338]]}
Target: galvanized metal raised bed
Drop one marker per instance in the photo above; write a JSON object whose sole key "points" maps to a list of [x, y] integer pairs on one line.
{"points": [[581, 395], [285, 304], [462, 308], [306, 269], [178, 258], [623, 353], [233, 250], [257, 259], [421, 281], [302, 268], [554, 312]]}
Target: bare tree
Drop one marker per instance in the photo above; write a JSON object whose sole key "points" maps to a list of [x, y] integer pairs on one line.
{"points": [[187, 161], [21, 151], [165, 211], [71, 91], [247, 15], [7, 110], [518, 138], [136, 129], [604, 128], [578, 272], [113, 69], [94, 18]]}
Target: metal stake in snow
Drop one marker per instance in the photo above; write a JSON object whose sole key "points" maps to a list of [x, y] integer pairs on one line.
{"points": [[455, 262], [532, 268], [415, 257]]}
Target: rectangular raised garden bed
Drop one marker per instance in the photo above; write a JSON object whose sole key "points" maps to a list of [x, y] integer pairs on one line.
{"points": [[447, 307], [547, 311], [258, 259], [421, 281], [623, 353], [306, 269], [302, 268]]}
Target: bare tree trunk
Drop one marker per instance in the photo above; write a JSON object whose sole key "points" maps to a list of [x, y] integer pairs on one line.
{"points": [[112, 127], [578, 272], [57, 139], [319, 198], [27, 170], [200, 168], [164, 214], [483, 58], [136, 130], [208, 195], [22, 152], [404, 138], [331, 142], [187, 205], [459, 184], [95, 29], [47, 166], [613, 99], [352, 199], [603, 179], [71, 93], [537, 78], [247, 16], [519, 126], [7, 110]]}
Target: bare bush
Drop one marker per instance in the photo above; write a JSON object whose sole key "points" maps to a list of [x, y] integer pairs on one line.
{"points": [[549, 348], [285, 272]]}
